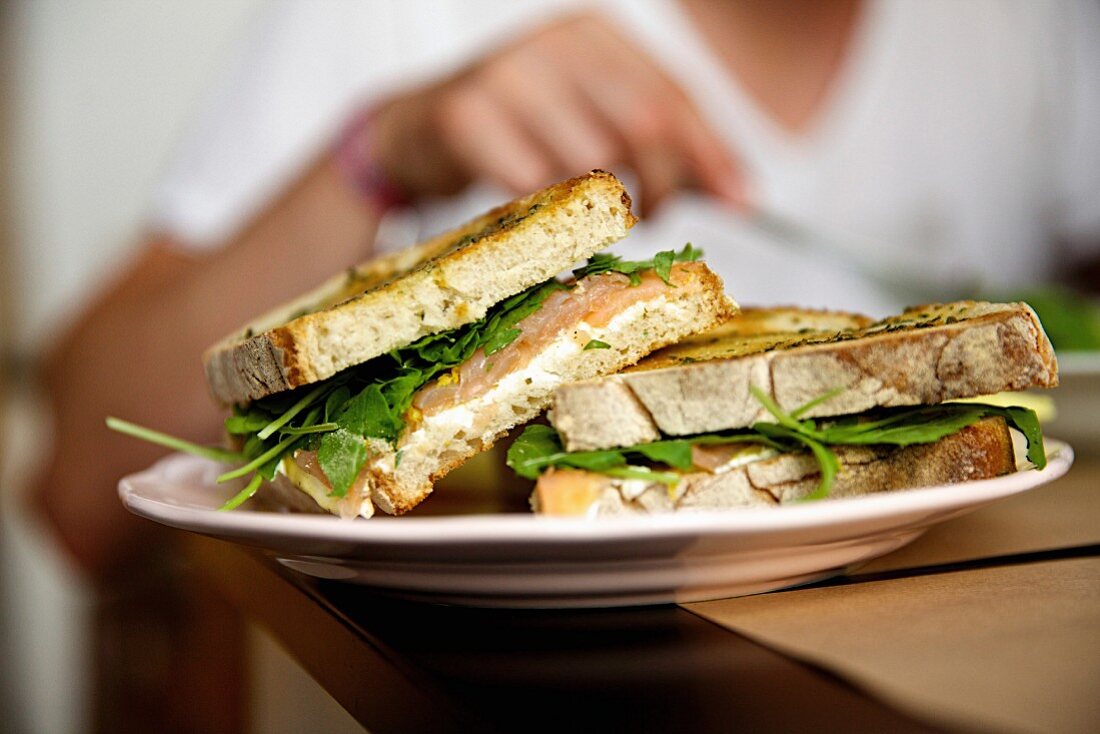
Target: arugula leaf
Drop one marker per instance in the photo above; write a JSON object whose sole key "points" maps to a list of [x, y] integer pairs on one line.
{"points": [[829, 465], [176, 444], [306, 430], [503, 332], [662, 265], [927, 424], [535, 449], [304, 402], [335, 401], [1027, 423], [594, 460], [827, 461], [275, 452], [689, 254], [242, 424], [399, 392], [539, 447], [500, 339], [784, 419], [675, 453], [369, 414], [803, 409], [341, 456], [370, 401], [604, 262], [267, 471], [912, 426], [668, 478], [245, 494]]}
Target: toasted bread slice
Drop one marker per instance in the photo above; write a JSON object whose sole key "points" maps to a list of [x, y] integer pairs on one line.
{"points": [[926, 355], [979, 451], [397, 479], [757, 321], [444, 283]]}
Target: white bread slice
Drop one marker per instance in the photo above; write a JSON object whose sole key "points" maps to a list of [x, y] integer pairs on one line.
{"points": [[926, 355], [444, 440], [444, 283], [979, 451]]}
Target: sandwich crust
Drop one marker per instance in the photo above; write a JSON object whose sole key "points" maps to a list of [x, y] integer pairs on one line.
{"points": [[926, 355], [444, 283], [398, 478], [697, 303]]}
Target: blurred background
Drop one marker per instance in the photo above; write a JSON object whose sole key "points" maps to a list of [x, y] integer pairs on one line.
{"points": [[166, 130], [96, 93]]}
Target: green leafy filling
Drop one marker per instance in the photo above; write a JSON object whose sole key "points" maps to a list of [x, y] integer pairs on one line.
{"points": [[661, 263], [539, 447], [372, 400]]}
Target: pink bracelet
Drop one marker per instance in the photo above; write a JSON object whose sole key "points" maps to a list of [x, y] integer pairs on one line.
{"points": [[355, 156]]}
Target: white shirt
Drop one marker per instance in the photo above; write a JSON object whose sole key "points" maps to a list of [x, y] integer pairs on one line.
{"points": [[959, 147]]}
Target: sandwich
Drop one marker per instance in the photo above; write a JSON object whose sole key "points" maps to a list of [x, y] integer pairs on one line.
{"points": [[786, 405], [364, 392]]}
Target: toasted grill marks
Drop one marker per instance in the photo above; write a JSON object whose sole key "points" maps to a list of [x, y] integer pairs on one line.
{"points": [[440, 445], [627, 206], [283, 346], [926, 355], [440, 284]]}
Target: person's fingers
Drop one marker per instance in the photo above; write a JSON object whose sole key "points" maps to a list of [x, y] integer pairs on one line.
{"points": [[670, 143], [483, 136], [661, 173], [410, 149], [713, 166], [640, 108], [553, 113], [569, 97], [641, 123]]}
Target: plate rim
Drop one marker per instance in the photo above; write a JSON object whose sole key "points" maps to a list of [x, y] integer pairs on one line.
{"points": [[511, 528]]}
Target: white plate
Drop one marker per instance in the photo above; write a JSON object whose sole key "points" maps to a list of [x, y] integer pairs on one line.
{"points": [[530, 561]]}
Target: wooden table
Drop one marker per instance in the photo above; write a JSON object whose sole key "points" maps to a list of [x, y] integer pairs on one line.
{"points": [[401, 666]]}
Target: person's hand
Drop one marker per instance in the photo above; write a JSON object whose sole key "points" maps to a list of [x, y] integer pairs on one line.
{"points": [[571, 96]]}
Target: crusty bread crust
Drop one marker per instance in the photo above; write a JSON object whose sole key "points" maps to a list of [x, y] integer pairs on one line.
{"points": [[759, 321], [698, 302], [443, 442], [444, 283], [981, 451], [925, 355]]}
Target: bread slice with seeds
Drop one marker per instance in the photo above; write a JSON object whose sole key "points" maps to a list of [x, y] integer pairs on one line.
{"points": [[629, 322], [444, 283], [925, 355]]}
